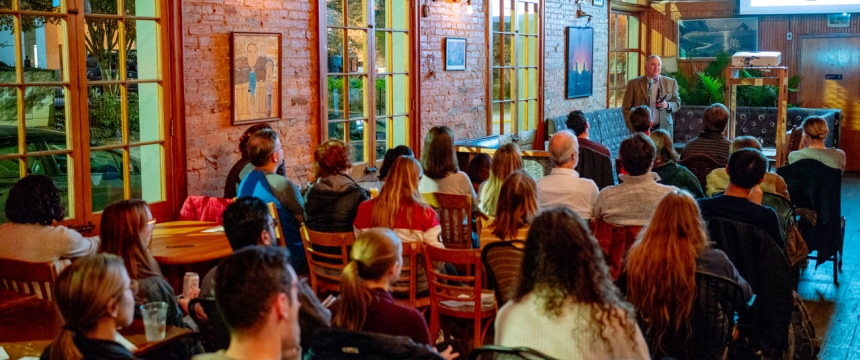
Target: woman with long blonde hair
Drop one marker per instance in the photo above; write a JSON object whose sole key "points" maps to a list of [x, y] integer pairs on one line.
{"points": [[661, 272], [399, 207], [506, 160], [126, 231], [94, 297], [517, 208]]}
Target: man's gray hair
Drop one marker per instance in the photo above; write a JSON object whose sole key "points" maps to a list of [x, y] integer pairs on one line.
{"points": [[562, 145]]}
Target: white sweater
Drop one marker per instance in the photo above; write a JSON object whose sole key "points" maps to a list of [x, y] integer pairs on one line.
{"points": [[524, 323], [43, 243]]}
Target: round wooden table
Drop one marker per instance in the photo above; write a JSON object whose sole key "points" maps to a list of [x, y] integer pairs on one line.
{"points": [[183, 246]]}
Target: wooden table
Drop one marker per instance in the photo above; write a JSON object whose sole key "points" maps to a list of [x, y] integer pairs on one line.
{"points": [[182, 246], [26, 332]]}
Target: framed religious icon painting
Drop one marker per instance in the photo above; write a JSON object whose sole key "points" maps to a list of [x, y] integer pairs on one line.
{"points": [[255, 63]]}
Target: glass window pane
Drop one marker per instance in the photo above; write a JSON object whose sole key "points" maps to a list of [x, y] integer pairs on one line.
{"points": [[8, 120], [356, 139], [522, 46], [507, 116], [383, 87], [522, 76], [621, 36], [44, 48], [508, 12], [335, 131], [612, 69], [334, 46], [381, 137], [380, 8], [401, 93], [147, 181], [144, 113], [334, 12], [497, 84], [101, 7], [357, 43], [632, 64], [400, 15], [44, 114], [357, 93], [107, 177], [382, 52], [140, 7], [521, 17], [621, 58], [356, 11], [142, 50], [398, 131], [495, 119], [102, 46], [507, 90], [613, 29], [534, 19], [508, 53], [336, 98], [531, 83], [40, 5], [105, 116], [633, 32], [8, 55], [498, 48], [619, 97], [6, 4], [400, 47]]}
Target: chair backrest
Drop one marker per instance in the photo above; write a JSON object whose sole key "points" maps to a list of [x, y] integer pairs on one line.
{"points": [[344, 344], [503, 263], [595, 166], [214, 333], [442, 286], [279, 231], [793, 141], [327, 254], [204, 208], [615, 241], [717, 300], [784, 211], [455, 218], [31, 278], [700, 165], [817, 187], [409, 275], [491, 352]]}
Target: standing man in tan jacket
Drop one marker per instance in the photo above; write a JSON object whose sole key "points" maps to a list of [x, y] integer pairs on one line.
{"points": [[658, 92]]}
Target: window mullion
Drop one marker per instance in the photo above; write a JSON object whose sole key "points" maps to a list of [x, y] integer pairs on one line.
{"points": [[370, 90]]}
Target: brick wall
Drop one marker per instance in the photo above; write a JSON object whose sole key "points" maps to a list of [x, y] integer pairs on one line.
{"points": [[211, 142], [559, 15], [456, 99]]}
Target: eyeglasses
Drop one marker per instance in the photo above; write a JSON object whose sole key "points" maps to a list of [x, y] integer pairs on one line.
{"points": [[151, 222]]}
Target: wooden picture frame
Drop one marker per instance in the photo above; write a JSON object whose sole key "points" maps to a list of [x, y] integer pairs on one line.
{"points": [[580, 62], [255, 84], [455, 54], [707, 38]]}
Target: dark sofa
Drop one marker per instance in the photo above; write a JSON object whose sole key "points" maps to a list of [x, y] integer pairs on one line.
{"points": [[608, 128]]}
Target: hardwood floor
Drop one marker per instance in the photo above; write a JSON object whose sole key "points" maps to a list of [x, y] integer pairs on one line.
{"points": [[835, 308]]}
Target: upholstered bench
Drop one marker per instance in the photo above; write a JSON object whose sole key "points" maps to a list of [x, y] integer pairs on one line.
{"points": [[606, 126]]}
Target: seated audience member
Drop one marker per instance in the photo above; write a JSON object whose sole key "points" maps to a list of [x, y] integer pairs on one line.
{"points": [[666, 166], [366, 303], [566, 302], [746, 169], [711, 141], [516, 209], [506, 160], [95, 299], [563, 186], [258, 299], [266, 153], [32, 206], [331, 201], [632, 202], [640, 119], [577, 123], [479, 172], [718, 179], [661, 279], [399, 207], [390, 156], [126, 228], [243, 166], [246, 223], [441, 172], [814, 132]]}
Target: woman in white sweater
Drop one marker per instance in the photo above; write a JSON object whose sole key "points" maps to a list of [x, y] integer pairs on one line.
{"points": [[31, 208], [566, 305]]}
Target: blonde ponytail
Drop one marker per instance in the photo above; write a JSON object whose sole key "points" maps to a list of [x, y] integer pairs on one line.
{"points": [[355, 298], [64, 348]]}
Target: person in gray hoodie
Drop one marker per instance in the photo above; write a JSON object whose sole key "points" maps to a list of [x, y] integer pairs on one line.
{"points": [[331, 201]]}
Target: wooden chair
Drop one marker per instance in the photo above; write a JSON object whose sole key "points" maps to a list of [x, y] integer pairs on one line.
{"points": [[458, 296], [455, 218], [324, 264], [700, 165], [279, 232], [503, 263], [409, 276], [793, 142], [30, 278]]}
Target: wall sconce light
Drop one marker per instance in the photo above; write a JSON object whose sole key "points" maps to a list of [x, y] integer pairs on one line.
{"points": [[469, 9], [582, 14]]}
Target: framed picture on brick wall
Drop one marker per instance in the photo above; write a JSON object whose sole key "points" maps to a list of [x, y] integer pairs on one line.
{"points": [[580, 61], [255, 63], [455, 54], [598, 3]]}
